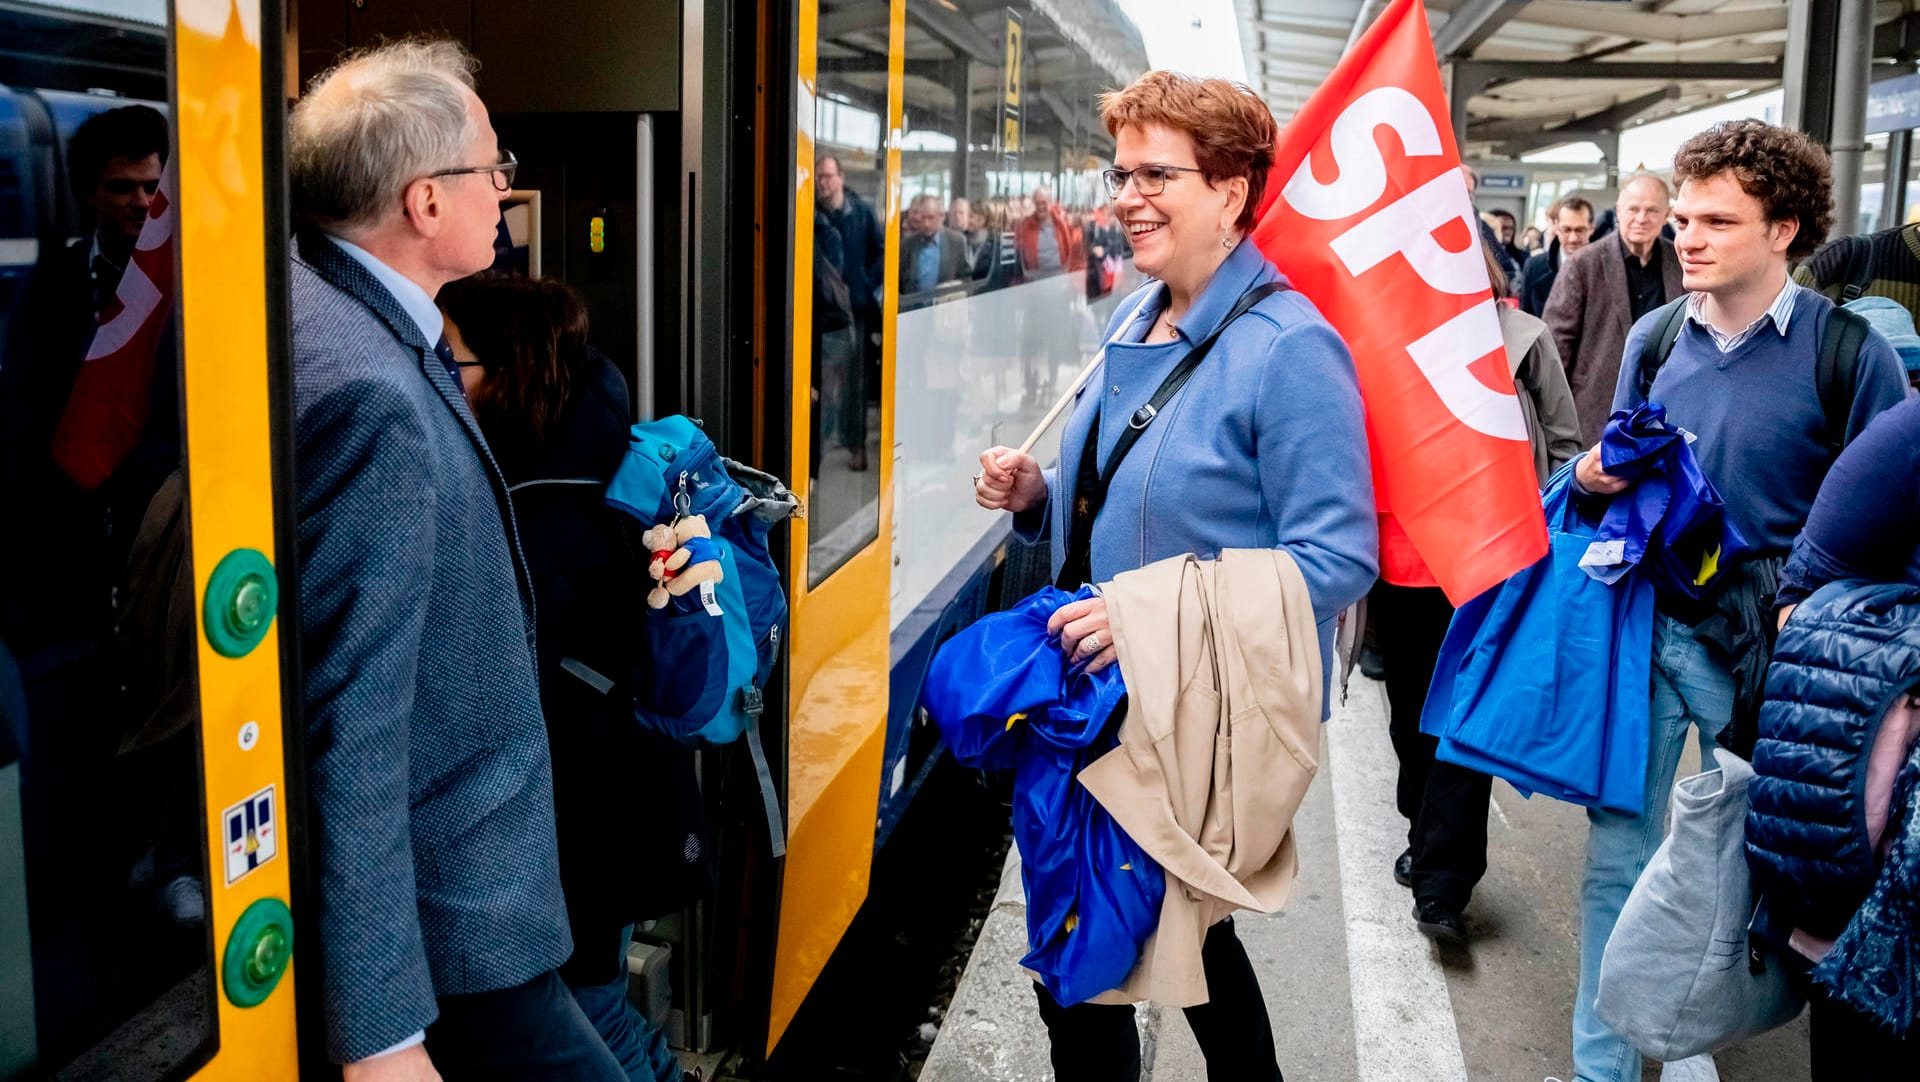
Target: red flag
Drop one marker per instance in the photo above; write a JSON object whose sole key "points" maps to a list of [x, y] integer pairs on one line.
{"points": [[1368, 215], [107, 410]]}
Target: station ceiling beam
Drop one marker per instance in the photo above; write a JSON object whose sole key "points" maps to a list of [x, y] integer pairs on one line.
{"points": [[1738, 71], [1610, 119], [1471, 24]]}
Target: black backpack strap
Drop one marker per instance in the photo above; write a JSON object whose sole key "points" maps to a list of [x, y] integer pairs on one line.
{"points": [[1659, 343], [1090, 494], [1837, 371]]}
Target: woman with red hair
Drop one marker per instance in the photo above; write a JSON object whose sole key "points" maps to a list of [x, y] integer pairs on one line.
{"points": [[1263, 447]]}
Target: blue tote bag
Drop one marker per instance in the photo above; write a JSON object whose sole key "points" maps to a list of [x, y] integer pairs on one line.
{"points": [[1544, 680]]}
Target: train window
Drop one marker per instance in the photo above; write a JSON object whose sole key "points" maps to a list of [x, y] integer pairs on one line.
{"points": [[1002, 132], [849, 281], [105, 948]]}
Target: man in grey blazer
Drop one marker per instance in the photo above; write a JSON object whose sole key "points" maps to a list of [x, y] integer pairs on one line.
{"points": [[1603, 289], [440, 920]]}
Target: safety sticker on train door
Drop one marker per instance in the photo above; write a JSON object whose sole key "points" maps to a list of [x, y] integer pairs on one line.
{"points": [[252, 834]]}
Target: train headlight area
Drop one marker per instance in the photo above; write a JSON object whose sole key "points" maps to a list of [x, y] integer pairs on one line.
{"points": [[861, 240]]}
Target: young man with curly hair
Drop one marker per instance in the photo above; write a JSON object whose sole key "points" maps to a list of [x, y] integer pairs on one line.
{"points": [[1742, 378]]}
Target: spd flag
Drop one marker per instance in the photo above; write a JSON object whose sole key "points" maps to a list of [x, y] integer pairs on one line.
{"points": [[107, 410], [1367, 214]]}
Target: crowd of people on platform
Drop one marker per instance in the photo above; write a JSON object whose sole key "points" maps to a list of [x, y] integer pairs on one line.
{"points": [[1683, 296]]}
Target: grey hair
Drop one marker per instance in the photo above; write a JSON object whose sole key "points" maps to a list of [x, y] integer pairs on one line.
{"points": [[373, 124]]}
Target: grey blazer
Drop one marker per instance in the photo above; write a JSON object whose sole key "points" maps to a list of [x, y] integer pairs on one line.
{"points": [[1590, 316], [428, 775]]}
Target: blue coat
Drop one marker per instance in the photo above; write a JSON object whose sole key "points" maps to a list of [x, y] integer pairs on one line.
{"points": [[1265, 446], [428, 778]]}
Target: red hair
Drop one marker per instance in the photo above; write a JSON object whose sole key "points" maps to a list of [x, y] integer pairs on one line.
{"points": [[1233, 131]]}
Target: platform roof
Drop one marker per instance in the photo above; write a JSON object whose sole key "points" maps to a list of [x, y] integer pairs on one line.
{"points": [[1673, 56]]}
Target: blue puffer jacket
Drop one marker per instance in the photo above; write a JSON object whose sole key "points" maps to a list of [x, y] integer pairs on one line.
{"points": [[1848, 652]]}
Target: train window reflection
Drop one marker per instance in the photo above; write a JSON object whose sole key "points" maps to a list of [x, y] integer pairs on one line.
{"points": [[105, 949], [849, 285]]}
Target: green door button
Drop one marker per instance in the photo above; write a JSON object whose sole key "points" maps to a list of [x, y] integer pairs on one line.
{"points": [[258, 952], [242, 596]]}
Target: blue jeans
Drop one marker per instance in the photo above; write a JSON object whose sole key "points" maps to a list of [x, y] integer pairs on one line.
{"points": [[1690, 687], [639, 1046]]}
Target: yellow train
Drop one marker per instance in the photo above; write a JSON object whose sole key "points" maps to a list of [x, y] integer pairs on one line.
{"points": [[152, 872]]}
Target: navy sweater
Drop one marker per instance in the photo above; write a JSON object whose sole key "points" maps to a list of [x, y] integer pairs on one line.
{"points": [[1757, 412], [1866, 522]]}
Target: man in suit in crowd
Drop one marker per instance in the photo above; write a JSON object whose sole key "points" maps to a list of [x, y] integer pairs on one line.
{"points": [[1572, 222], [440, 918], [932, 252], [67, 603], [1604, 289]]}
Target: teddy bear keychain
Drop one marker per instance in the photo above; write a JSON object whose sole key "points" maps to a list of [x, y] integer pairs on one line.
{"points": [[685, 559]]}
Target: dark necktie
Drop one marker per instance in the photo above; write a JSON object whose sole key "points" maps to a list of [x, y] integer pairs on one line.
{"points": [[106, 280], [445, 352]]}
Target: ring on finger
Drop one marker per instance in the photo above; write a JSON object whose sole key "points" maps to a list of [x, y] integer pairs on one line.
{"points": [[1090, 644]]}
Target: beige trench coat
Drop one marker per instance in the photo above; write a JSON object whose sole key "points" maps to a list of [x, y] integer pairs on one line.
{"points": [[1221, 740]]}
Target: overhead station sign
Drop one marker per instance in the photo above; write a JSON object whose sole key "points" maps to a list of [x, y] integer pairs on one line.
{"points": [[1010, 80], [1893, 104]]}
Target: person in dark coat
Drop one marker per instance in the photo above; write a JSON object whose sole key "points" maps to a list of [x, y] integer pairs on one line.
{"points": [[554, 410], [1572, 219], [862, 255]]}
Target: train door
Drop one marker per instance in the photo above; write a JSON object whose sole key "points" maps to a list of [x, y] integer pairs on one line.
{"points": [[146, 855], [845, 301]]}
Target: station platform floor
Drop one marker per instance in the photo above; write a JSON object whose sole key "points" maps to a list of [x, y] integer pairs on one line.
{"points": [[1355, 992]]}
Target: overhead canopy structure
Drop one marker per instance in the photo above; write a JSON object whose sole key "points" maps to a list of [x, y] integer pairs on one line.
{"points": [[1541, 73]]}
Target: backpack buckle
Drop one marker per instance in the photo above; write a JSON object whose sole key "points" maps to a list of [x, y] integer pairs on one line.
{"points": [[752, 702], [1142, 417]]}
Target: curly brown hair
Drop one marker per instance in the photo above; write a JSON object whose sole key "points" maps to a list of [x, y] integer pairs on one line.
{"points": [[1232, 130], [1785, 170]]}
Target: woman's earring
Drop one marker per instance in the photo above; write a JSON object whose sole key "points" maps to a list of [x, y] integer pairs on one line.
{"points": [[1226, 240]]}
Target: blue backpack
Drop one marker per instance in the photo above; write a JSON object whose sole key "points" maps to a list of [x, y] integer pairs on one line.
{"points": [[672, 469]]}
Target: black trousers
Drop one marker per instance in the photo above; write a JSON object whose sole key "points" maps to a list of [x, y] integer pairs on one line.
{"points": [[1445, 805], [533, 1030], [1097, 1042], [1847, 1046]]}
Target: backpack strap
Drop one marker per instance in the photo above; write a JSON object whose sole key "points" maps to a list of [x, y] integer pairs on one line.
{"points": [[1659, 343], [1837, 370], [1857, 270]]}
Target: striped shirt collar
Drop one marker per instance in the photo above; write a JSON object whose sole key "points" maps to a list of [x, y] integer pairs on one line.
{"points": [[1780, 311]]}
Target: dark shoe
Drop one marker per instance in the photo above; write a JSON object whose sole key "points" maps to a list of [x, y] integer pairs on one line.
{"points": [[1372, 665], [1403, 869], [1438, 922], [857, 461]]}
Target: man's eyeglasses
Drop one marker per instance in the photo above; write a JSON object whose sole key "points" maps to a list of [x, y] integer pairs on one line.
{"points": [[502, 171], [1147, 179]]}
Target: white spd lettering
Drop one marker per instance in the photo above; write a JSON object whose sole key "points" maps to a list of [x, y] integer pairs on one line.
{"points": [[1406, 227], [1362, 173], [1443, 355]]}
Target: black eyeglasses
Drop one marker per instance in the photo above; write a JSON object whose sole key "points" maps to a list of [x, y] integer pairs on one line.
{"points": [[502, 171], [1147, 179]]}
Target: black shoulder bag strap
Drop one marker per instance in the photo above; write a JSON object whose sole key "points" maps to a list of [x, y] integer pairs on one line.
{"points": [[1090, 486], [1659, 343]]}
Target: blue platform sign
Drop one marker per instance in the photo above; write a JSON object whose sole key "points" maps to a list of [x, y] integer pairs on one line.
{"points": [[1893, 104]]}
